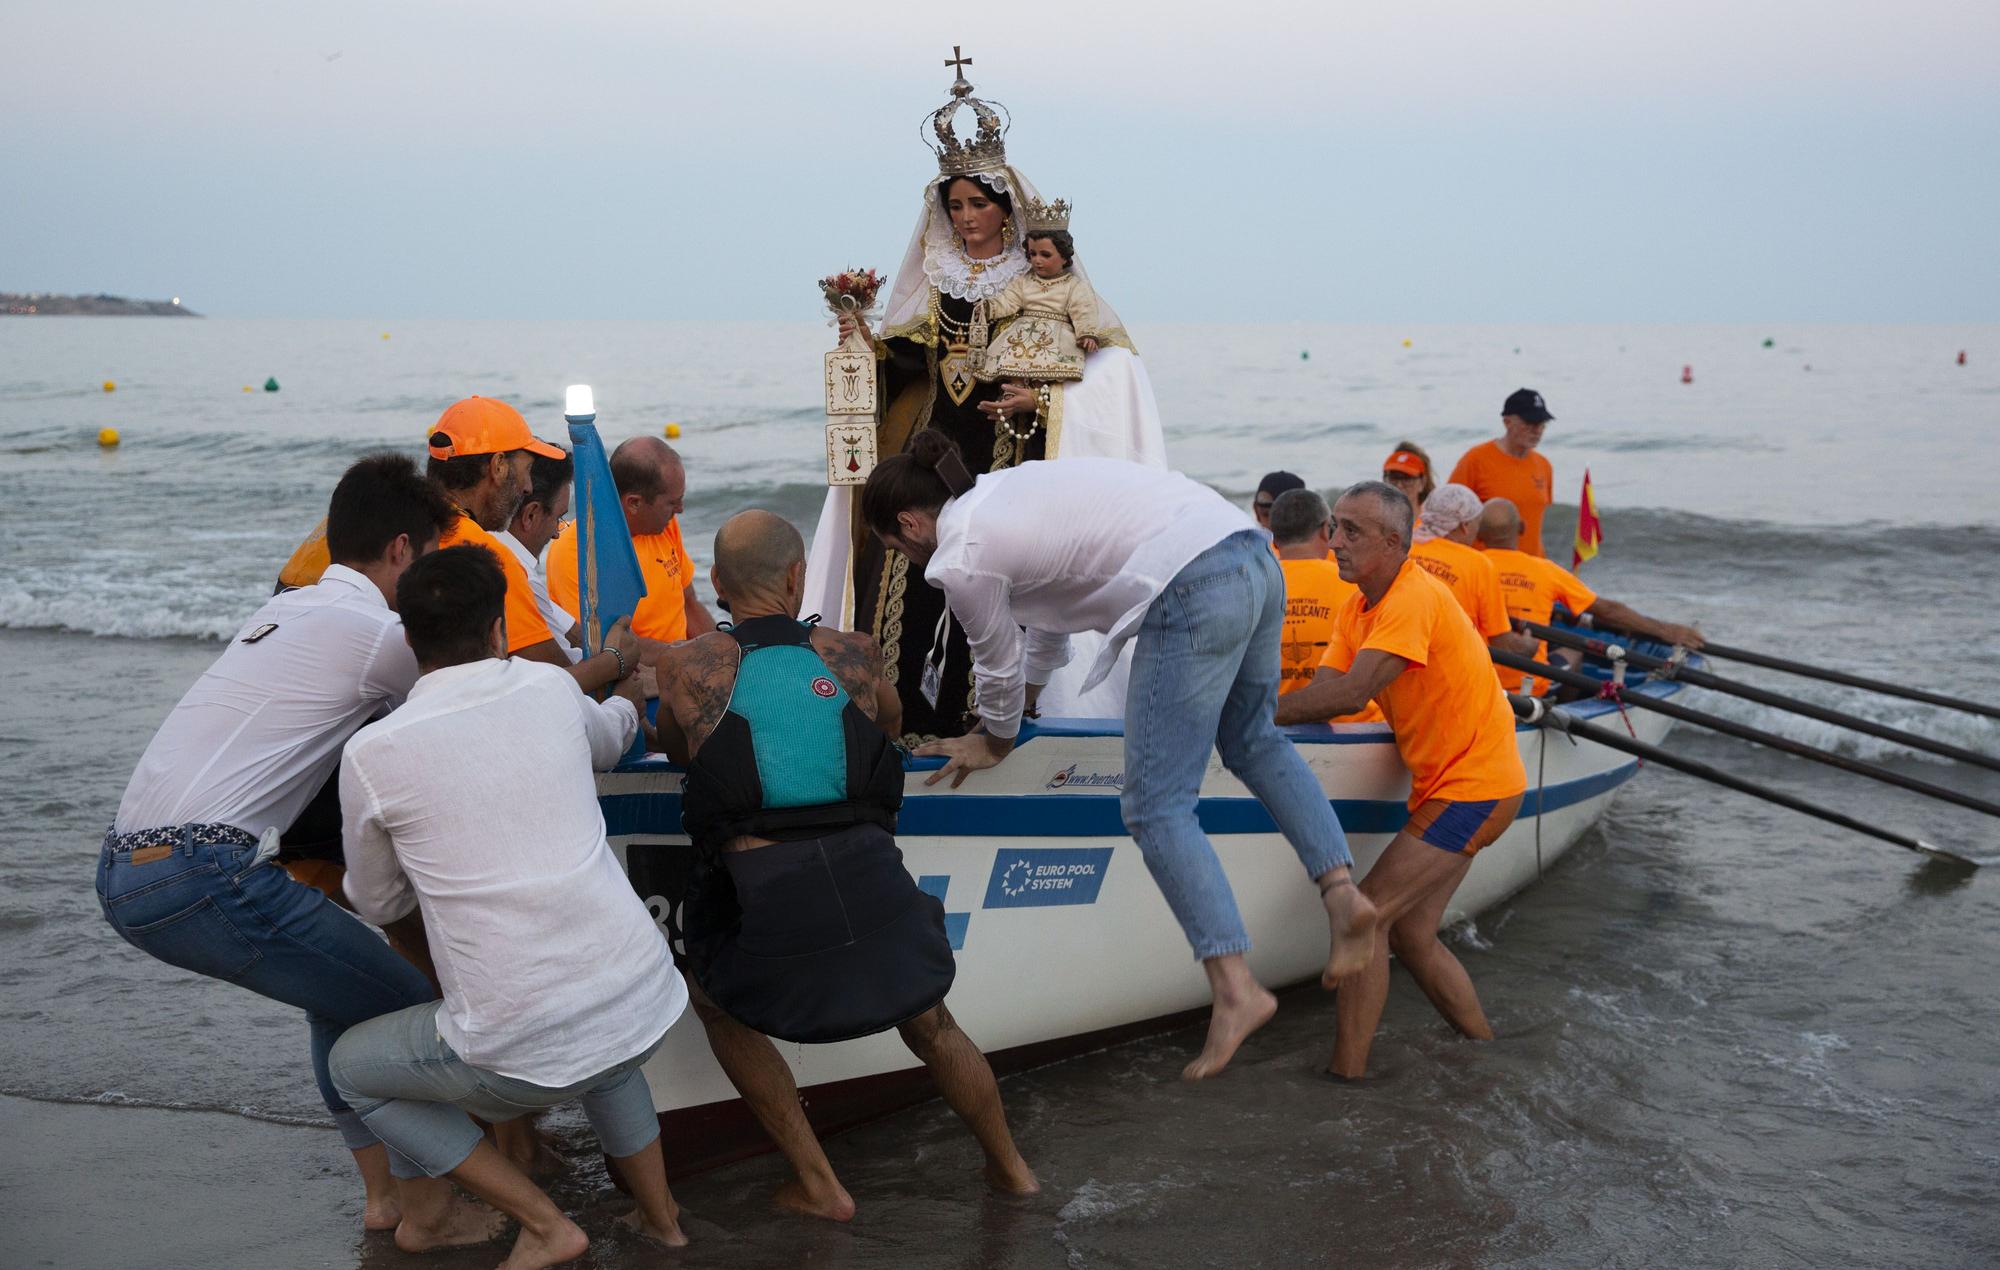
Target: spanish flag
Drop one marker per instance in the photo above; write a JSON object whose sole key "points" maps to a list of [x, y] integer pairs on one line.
{"points": [[1589, 531]]}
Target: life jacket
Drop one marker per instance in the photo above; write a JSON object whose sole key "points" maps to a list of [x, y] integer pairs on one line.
{"points": [[793, 757]]}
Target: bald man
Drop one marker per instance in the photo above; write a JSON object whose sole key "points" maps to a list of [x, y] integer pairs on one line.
{"points": [[652, 488], [1531, 586], [792, 791]]}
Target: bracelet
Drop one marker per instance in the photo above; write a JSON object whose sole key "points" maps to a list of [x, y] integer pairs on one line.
{"points": [[621, 660]]}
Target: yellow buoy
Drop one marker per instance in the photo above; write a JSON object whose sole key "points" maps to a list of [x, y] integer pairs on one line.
{"points": [[385, 335], [111, 385], [107, 437], [248, 388], [1406, 343], [673, 430]]}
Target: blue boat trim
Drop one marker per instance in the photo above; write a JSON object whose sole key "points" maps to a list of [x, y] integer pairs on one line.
{"points": [[1097, 815]]}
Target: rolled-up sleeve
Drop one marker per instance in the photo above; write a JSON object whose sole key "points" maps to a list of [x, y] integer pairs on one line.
{"points": [[1047, 653], [375, 883], [610, 726], [980, 604]]}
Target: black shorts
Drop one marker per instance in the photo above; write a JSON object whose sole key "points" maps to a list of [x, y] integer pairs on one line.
{"points": [[831, 938]]}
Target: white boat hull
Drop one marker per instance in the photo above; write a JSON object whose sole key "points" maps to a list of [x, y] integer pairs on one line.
{"points": [[1064, 942]]}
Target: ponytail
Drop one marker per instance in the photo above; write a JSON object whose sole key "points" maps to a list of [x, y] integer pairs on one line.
{"points": [[922, 478]]}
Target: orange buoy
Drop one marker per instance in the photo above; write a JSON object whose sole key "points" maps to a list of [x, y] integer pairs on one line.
{"points": [[1961, 357], [111, 385], [1687, 374]]}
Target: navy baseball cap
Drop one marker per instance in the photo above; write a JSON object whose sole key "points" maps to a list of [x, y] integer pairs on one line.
{"points": [[1527, 405]]}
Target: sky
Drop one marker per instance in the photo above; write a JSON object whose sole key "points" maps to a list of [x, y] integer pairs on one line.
{"points": [[1453, 161]]}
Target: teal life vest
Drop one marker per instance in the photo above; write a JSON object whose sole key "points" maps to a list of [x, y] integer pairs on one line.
{"points": [[793, 757]]}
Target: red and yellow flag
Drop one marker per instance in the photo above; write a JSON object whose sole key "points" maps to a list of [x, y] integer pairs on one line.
{"points": [[1589, 530]]}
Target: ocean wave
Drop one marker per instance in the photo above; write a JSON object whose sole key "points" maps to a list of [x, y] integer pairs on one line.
{"points": [[112, 615], [116, 1098]]}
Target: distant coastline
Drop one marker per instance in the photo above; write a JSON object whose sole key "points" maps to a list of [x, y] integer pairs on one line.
{"points": [[40, 304]]}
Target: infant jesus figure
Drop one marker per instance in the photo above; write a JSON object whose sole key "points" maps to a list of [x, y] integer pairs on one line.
{"points": [[1053, 312]]}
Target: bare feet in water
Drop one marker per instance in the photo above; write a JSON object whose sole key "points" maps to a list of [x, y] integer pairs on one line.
{"points": [[1239, 1010], [462, 1222], [828, 1200], [536, 1249], [1012, 1177], [1353, 920], [671, 1236]]}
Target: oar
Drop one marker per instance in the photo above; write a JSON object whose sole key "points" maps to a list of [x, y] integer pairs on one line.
{"points": [[1703, 679], [1711, 649], [1675, 710], [1541, 714]]}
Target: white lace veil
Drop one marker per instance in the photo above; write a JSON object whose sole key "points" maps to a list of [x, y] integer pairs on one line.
{"points": [[932, 259]]}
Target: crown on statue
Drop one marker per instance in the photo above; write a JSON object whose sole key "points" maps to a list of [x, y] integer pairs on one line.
{"points": [[984, 150], [1045, 216]]}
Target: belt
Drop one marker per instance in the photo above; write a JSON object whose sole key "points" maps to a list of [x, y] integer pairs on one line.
{"points": [[177, 836]]}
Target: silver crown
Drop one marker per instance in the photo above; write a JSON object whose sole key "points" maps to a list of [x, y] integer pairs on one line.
{"points": [[1046, 216], [984, 151]]}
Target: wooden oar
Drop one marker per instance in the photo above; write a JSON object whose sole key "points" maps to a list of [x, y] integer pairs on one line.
{"points": [[1703, 679], [1541, 714], [1711, 649], [1675, 710]]}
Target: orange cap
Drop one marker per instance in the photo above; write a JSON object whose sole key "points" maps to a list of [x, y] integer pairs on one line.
{"points": [[481, 425], [1405, 462]]}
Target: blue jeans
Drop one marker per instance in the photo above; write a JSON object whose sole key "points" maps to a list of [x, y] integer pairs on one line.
{"points": [[1205, 671], [218, 912], [410, 1088]]}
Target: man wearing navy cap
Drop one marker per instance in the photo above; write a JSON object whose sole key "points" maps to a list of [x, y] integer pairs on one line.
{"points": [[1510, 468]]}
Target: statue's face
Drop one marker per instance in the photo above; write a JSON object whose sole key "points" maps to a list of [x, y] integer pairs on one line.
{"points": [[1044, 259], [975, 216]]}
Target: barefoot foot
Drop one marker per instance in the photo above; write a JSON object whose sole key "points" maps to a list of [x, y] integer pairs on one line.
{"points": [[1012, 1177], [461, 1222], [827, 1199], [1353, 919], [670, 1234], [381, 1213], [1230, 1023], [535, 1250]]}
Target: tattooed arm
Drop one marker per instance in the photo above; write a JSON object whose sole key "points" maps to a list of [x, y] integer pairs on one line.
{"points": [[695, 679], [856, 660]]}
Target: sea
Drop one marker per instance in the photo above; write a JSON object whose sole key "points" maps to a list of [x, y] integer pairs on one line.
{"points": [[1727, 1034]]}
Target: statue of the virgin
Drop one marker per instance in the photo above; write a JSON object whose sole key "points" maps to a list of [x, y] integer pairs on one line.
{"points": [[966, 248]]}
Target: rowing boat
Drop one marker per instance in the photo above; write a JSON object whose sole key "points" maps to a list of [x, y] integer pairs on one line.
{"points": [[1064, 944]]}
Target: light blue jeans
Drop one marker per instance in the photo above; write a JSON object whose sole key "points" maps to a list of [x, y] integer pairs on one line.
{"points": [[414, 1093], [1205, 671]]}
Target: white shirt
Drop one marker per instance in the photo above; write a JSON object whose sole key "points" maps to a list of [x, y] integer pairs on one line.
{"points": [[560, 620], [261, 730], [475, 802], [1061, 548]]}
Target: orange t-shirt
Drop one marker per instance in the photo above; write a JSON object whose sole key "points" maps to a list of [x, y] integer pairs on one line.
{"points": [[664, 563], [1471, 579], [1314, 590], [525, 625], [1529, 483], [1453, 726], [1532, 585]]}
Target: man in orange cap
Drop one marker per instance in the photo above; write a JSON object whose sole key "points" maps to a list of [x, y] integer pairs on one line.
{"points": [[1408, 468], [480, 454], [1532, 586], [1510, 468], [652, 487]]}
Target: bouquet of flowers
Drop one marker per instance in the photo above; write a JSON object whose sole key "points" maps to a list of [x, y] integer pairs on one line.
{"points": [[851, 291]]}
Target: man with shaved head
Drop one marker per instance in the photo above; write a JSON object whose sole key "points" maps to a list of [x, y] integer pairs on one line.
{"points": [[1403, 641], [1531, 586], [652, 488], [802, 922]]}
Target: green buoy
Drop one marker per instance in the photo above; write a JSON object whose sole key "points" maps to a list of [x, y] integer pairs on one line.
{"points": [[1769, 342], [271, 384]]}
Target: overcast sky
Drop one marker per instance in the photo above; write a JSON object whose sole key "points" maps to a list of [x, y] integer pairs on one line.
{"points": [[1562, 160]]}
